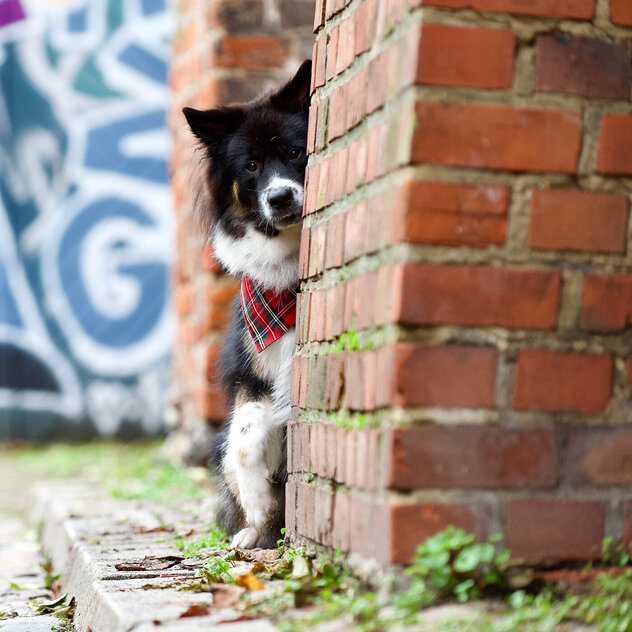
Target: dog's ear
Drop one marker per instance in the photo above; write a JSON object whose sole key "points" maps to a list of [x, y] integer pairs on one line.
{"points": [[294, 95], [211, 126]]}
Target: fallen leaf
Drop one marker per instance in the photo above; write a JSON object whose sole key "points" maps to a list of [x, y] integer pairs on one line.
{"points": [[249, 581], [160, 529], [150, 563], [225, 595], [257, 555], [300, 567], [196, 610]]}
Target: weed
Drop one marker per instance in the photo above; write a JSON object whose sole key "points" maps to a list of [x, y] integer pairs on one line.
{"points": [[215, 570], [613, 552], [214, 538]]}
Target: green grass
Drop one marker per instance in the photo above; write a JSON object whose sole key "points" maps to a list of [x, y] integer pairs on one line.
{"points": [[131, 470]]}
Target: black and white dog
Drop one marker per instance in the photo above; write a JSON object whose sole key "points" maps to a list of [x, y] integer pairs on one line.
{"points": [[256, 168]]}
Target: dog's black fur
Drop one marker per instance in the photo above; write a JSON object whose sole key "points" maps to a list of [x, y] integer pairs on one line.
{"points": [[256, 165]]}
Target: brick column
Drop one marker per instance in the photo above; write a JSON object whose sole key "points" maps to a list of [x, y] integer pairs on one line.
{"points": [[224, 51], [464, 326]]}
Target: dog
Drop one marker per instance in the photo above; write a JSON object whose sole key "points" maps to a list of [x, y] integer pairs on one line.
{"points": [[255, 180]]}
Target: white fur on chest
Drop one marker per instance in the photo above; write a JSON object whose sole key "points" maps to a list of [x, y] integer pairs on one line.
{"points": [[271, 262]]}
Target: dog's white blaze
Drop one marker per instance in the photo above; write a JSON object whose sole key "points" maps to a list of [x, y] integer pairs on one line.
{"points": [[270, 262], [277, 183]]}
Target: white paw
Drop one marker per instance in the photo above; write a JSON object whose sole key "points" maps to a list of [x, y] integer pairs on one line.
{"points": [[244, 539], [257, 501]]}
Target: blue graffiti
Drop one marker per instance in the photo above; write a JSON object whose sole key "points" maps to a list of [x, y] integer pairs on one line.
{"points": [[151, 277], [85, 216]]}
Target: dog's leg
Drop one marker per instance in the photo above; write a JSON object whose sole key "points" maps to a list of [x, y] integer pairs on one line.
{"points": [[253, 454]]}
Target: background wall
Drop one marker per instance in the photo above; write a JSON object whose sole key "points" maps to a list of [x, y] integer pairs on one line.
{"points": [[224, 51], [85, 217], [464, 326]]}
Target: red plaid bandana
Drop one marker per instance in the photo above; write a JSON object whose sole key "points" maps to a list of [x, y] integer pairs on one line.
{"points": [[268, 314]]}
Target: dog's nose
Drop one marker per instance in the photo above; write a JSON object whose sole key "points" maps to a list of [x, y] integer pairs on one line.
{"points": [[279, 199]]}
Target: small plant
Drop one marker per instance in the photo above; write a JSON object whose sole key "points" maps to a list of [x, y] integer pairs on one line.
{"points": [[214, 538], [215, 570], [451, 564], [613, 552]]}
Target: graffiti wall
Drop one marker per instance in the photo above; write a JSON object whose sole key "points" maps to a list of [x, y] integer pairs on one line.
{"points": [[85, 217]]}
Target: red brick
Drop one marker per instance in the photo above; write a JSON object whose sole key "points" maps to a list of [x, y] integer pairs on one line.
{"points": [[338, 112], [615, 156], [341, 537], [183, 299], [442, 375], [362, 28], [320, 65], [318, 243], [471, 457], [559, 382], [411, 524], [355, 231], [578, 220], [621, 12], [335, 311], [357, 98], [356, 172], [251, 52], [427, 294], [376, 92], [583, 65], [597, 455], [316, 381], [211, 362], [454, 214], [332, 52], [627, 524], [317, 315], [290, 507], [578, 9], [346, 43], [311, 129], [334, 257], [209, 402], [303, 255], [469, 57], [607, 303], [319, 14], [341, 174], [334, 380], [539, 530], [323, 515], [497, 137]]}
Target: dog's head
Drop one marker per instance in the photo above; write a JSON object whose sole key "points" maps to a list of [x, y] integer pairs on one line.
{"points": [[257, 155]]}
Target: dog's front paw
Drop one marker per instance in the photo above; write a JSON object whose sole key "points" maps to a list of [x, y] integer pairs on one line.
{"points": [[244, 539]]}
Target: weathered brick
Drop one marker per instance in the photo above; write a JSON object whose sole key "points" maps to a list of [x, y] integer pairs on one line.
{"points": [[558, 382], [251, 52], [338, 112], [577, 9], [621, 12], [468, 57], [541, 140], [607, 303], [483, 296], [411, 524], [615, 157], [442, 375], [582, 65], [555, 529], [335, 241], [562, 219], [597, 455], [319, 69], [453, 214], [471, 457]]}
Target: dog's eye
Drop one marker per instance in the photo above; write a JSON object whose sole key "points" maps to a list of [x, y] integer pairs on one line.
{"points": [[251, 166], [294, 153]]}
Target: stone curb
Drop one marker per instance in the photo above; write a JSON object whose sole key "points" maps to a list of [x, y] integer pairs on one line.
{"points": [[85, 534]]}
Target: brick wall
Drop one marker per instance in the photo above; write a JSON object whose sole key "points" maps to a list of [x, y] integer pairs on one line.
{"points": [[464, 345], [224, 51]]}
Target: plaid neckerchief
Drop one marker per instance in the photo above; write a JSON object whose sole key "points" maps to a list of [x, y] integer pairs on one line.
{"points": [[268, 314]]}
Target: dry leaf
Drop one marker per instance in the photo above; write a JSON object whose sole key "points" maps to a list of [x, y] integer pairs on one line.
{"points": [[249, 581], [196, 610], [225, 595]]}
